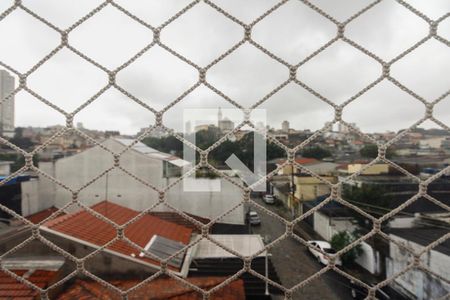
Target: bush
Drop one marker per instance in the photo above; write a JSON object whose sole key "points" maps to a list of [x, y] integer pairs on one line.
{"points": [[340, 240], [316, 152]]}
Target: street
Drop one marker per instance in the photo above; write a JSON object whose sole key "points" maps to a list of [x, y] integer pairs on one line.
{"points": [[294, 263]]}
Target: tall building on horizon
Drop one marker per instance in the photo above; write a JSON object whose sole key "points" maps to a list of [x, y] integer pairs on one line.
{"points": [[6, 106], [225, 125], [219, 115], [285, 126]]}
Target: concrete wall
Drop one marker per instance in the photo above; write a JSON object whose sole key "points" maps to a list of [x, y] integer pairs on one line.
{"points": [[209, 204], [327, 227], [369, 259], [30, 198], [281, 196], [309, 188], [431, 142], [419, 285], [375, 169], [117, 186], [402, 222], [5, 169], [322, 225]]}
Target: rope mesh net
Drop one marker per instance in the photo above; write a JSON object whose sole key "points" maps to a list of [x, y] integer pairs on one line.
{"points": [[293, 69]]}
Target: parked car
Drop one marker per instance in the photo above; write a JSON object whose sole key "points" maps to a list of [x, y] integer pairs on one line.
{"points": [[324, 247], [253, 218], [269, 199], [358, 292]]}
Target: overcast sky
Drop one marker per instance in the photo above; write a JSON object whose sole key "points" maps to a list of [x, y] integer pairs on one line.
{"points": [[291, 32]]}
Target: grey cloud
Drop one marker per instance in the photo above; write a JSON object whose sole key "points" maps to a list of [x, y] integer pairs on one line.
{"points": [[292, 33]]}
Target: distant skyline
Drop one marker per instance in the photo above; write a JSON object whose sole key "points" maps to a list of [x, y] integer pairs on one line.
{"points": [[292, 32]]}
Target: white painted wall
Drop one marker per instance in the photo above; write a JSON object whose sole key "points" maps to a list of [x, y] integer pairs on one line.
{"points": [[369, 259], [418, 284], [280, 195], [78, 170], [32, 202], [322, 225], [5, 169], [402, 222], [326, 227], [210, 204]]}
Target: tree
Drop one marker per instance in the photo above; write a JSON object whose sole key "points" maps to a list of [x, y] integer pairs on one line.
{"points": [[169, 144], [243, 148], [17, 159], [372, 199], [341, 240], [316, 152], [371, 151]]}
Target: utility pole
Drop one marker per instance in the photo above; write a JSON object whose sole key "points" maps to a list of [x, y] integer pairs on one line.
{"points": [[267, 272], [292, 186]]}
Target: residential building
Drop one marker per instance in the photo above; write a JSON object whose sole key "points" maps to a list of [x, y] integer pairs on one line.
{"points": [[333, 218], [161, 288], [308, 187], [205, 127], [152, 167], [20, 195], [432, 142], [41, 271], [122, 263], [5, 168], [445, 144], [81, 232], [288, 169], [209, 259], [342, 128], [6, 104], [330, 218], [375, 169], [285, 126], [415, 283]]}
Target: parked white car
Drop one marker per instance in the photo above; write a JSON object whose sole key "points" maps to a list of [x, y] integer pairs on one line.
{"points": [[324, 247], [253, 218], [269, 199]]}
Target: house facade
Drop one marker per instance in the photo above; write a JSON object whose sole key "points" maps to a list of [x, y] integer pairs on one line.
{"points": [[151, 170], [416, 283]]}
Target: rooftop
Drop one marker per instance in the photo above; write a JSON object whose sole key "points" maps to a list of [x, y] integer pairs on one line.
{"points": [[244, 244], [331, 209], [12, 289], [159, 289], [301, 161], [42, 215], [153, 153], [424, 237], [40, 271], [84, 227]]}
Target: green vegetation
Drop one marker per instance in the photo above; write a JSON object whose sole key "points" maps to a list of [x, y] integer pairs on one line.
{"points": [[341, 240], [242, 148], [371, 151], [316, 152], [17, 159], [370, 198]]}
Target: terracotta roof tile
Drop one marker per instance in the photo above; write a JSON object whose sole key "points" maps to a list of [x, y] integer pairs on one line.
{"points": [[86, 227], [11, 289], [301, 161], [159, 289], [177, 219], [41, 215]]}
